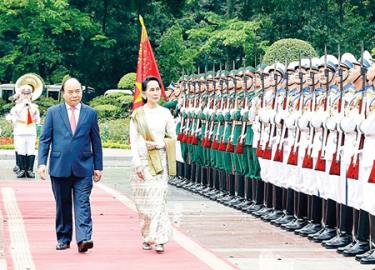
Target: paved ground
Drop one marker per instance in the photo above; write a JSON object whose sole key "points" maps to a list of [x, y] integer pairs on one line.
{"points": [[247, 242]]}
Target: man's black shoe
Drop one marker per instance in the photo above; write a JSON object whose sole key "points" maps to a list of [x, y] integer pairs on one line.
{"points": [[62, 246], [84, 245]]}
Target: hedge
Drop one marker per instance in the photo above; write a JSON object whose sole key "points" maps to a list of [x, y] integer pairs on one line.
{"points": [[127, 81], [288, 49]]}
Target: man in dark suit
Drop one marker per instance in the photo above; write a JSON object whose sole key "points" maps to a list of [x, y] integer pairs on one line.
{"points": [[76, 159]]}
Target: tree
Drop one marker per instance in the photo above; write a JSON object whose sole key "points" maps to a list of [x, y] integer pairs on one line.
{"points": [[45, 37], [173, 55]]}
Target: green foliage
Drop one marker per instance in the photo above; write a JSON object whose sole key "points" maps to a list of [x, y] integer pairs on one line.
{"points": [[7, 147], [115, 131], [117, 145], [119, 100], [6, 128], [48, 38], [44, 103], [2, 104], [127, 81], [173, 55], [90, 39], [288, 49], [107, 111], [222, 40]]}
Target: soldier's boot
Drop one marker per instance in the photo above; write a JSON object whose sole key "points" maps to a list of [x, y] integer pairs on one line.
{"points": [[252, 197], [215, 184], [284, 206], [344, 237], [30, 166], [268, 199], [183, 175], [309, 216], [230, 188], [190, 181], [239, 191], [204, 180], [186, 179], [362, 243], [248, 196], [197, 179], [369, 257], [289, 213], [177, 178], [223, 192], [23, 166], [300, 202], [207, 189], [220, 190], [224, 187], [212, 175], [329, 231], [277, 205], [316, 218], [17, 168], [194, 177], [199, 186], [259, 197], [183, 169]]}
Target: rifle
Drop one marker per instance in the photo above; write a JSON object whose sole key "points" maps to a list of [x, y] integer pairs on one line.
{"points": [[353, 169], [335, 168], [181, 133], [371, 178], [216, 144], [230, 145], [189, 104], [279, 154], [293, 155], [206, 141], [240, 146], [321, 162], [195, 105], [195, 139], [307, 160], [223, 144], [267, 152], [259, 151]]}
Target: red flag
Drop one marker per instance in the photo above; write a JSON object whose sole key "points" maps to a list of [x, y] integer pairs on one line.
{"points": [[146, 66]]}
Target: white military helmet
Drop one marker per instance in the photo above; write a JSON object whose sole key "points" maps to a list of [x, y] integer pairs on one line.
{"points": [[367, 59], [348, 60]]}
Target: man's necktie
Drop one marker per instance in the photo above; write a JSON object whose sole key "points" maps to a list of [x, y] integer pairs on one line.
{"points": [[73, 123]]}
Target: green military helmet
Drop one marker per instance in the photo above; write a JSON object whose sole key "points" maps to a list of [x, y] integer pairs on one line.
{"points": [[224, 73], [232, 73], [249, 71], [261, 68], [240, 72], [201, 77], [218, 74], [210, 76]]}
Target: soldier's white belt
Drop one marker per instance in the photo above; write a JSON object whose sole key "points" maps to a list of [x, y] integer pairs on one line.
{"points": [[24, 122], [237, 122]]}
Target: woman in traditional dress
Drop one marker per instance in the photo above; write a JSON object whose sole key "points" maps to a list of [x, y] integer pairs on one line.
{"points": [[152, 136]]}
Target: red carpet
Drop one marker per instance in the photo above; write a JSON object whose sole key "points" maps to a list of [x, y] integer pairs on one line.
{"points": [[116, 235]]}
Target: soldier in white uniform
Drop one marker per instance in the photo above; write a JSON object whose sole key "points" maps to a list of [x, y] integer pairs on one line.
{"points": [[24, 116]]}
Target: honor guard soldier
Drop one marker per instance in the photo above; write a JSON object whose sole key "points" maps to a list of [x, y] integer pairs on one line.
{"points": [[24, 116]]}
